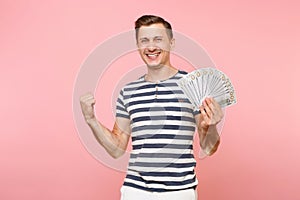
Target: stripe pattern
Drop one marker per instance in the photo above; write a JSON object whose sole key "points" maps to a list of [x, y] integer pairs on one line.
{"points": [[163, 126]]}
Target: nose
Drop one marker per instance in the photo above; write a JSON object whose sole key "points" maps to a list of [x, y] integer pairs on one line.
{"points": [[151, 45], [151, 48]]}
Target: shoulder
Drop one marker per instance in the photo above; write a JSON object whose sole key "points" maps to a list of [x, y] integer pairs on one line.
{"points": [[181, 72], [132, 86], [134, 83]]}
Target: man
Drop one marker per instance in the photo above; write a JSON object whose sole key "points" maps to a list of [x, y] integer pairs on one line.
{"points": [[160, 120]]}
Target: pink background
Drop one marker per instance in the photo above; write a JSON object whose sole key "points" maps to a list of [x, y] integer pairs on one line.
{"points": [[43, 44]]}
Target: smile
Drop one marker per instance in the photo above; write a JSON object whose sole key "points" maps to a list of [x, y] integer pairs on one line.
{"points": [[152, 56]]}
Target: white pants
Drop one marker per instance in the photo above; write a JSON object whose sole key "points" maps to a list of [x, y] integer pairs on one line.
{"points": [[129, 193]]}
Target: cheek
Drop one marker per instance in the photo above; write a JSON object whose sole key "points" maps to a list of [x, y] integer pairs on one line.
{"points": [[165, 47], [141, 51]]}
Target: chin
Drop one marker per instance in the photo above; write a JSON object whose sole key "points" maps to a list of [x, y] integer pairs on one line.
{"points": [[151, 63], [154, 65]]}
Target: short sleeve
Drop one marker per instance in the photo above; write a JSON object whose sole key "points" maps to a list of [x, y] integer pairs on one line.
{"points": [[121, 110]]}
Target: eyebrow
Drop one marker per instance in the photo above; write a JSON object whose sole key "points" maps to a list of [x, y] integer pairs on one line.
{"points": [[159, 36], [143, 38]]}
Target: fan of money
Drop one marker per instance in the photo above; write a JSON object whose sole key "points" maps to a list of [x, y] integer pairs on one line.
{"points": [[208, 82]]}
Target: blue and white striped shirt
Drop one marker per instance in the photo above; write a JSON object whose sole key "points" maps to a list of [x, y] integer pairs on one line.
{"points": [[163, 127]]}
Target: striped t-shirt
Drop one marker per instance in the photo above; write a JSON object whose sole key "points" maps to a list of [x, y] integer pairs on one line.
{"points": [[163, 126]]}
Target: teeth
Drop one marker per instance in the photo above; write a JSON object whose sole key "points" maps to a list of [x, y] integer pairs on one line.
{"points": [[152, 55]]}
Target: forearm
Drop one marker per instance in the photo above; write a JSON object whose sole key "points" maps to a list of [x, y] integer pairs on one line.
{"points": [[209, 139], [106, 138]]}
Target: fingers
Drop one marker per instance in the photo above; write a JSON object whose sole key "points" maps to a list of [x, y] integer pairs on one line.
{"points": [[90, 102], [206, 119], [211, 111], [212, 105], [86, 96], [209, 107], [87, 102]]}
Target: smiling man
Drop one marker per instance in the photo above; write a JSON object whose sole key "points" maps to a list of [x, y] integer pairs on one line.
{"points": [[160, 120]]}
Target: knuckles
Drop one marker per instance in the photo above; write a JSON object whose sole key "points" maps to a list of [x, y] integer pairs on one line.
{"points": [[86, 97], [87, 101]]}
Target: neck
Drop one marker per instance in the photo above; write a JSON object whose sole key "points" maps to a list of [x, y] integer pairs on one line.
{"points": [[156, 74]]}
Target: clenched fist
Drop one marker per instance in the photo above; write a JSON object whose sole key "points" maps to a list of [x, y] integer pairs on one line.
{"points": [[87, 102]]}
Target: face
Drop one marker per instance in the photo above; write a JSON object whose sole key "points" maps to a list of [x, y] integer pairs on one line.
{"points": [[154, 45]]}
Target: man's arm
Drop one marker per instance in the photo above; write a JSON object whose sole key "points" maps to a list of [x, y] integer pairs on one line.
{"points": [[115, 141], [211, 114]]}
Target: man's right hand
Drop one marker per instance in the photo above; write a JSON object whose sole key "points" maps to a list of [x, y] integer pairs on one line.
{"points": [[115, 142], [87, 102]]}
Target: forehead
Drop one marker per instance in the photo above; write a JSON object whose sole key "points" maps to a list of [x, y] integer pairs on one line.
{"points": [[152, 31]]}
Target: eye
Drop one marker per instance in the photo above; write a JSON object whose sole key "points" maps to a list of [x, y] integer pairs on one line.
{"points": [[143, 41], [159, 39]]}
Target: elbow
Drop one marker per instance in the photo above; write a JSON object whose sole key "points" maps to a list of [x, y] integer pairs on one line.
{"points": [[212, 150], [117, 154]]}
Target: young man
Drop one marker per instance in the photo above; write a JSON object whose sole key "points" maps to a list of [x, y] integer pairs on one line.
{"points": [[160, 120]]}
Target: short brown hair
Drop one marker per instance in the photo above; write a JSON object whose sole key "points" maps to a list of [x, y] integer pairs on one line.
{"points": [[147, 20]]}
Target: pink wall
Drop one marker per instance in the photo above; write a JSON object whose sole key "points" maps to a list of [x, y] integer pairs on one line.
{"points": [[42, 46]]}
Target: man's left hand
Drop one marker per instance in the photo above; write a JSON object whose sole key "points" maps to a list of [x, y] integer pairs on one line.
{"points": [[211, 113]]}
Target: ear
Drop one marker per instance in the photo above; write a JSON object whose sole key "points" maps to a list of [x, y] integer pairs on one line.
{"points": [[137, 46], [172, 44]]}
